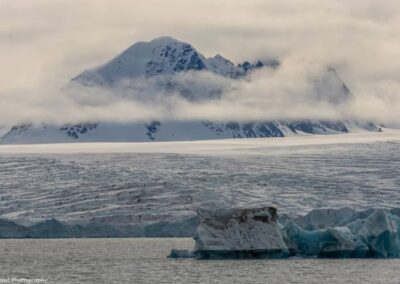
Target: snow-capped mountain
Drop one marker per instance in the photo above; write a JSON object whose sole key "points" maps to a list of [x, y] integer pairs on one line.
{"points": [[161, 56], [161, 61]]}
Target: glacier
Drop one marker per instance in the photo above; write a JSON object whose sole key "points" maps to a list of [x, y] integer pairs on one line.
{"points": [[154, 189]]}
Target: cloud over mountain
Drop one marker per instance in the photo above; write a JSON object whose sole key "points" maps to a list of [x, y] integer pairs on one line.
{"points": [[42, 48]]}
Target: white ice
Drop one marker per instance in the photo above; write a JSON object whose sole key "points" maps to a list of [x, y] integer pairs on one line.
{"points": [[154, 189]]}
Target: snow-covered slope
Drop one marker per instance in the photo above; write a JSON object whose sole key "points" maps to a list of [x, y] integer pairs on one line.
{"points": [[161, 56], [160, 61], [164, 131]]}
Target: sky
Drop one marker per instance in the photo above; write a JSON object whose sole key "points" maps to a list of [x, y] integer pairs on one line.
{"points": [[44, 43]]}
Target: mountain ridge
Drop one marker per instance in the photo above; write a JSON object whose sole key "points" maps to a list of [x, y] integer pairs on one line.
{"points": [[163, 55], [166, 57]]}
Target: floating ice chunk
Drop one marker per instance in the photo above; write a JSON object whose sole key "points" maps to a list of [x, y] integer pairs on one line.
{"points": [[370, 233], [181, 253], [332, 242], [380, 230], [239, 233], [325, 218]]}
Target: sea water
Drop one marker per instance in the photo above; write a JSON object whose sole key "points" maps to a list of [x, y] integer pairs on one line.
{"points": [[130, 260]]}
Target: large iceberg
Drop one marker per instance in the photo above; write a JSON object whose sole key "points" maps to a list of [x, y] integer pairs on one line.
{"points": [[257, 233], [239, 233], [370, 233]]}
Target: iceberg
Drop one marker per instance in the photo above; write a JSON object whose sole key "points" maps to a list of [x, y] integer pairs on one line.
{"points": [[236, 233], [369, 233], [380, 231], [338, 242]]}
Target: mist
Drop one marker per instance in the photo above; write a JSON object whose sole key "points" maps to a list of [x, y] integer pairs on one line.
{"points": [[43, 44]]}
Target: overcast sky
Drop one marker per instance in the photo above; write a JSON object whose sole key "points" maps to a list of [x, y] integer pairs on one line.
{"points": [[44, 43]]}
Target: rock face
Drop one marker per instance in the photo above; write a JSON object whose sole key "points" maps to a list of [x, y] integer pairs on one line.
{"points": [[239, 233]]}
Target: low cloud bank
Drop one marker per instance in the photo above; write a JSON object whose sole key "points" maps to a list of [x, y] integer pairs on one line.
{"points": [[291, 92], [41, 48]]}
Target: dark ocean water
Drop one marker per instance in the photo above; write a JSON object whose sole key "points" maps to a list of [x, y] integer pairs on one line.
{"points": [[145, 261]]}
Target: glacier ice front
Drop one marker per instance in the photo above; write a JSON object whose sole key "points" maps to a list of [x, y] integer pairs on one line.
{"points": [[237, 233]]}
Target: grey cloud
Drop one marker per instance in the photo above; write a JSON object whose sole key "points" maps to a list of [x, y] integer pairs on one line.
{"points": [[45, 43]]}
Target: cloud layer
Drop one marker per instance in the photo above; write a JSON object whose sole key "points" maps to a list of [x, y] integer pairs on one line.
{"points": [[44, 43]]}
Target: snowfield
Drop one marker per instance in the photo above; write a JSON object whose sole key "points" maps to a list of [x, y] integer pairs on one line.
{"points": [[207, 147], [153, 189]]}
